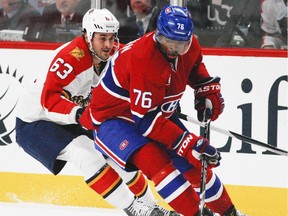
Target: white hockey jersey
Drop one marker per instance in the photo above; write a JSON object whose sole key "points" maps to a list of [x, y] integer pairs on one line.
{"points": [[56, 95]]}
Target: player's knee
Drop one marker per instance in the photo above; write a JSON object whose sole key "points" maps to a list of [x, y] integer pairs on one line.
{"points": [[86, 158], [155, 159]]}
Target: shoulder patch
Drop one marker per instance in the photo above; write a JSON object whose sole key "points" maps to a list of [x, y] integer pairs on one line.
{"points": [[77, 53]]}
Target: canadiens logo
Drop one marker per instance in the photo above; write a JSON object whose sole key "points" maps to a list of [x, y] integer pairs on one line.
{"points": [[169, 107], [170, 104], [77, 53], [10, 89], [123, 144]]}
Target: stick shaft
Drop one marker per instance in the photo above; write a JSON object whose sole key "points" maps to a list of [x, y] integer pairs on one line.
{"points": [[203, 185], [204, 171], [236, 135]]}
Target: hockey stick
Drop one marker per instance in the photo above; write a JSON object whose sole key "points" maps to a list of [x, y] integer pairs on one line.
{"points": [[204, 171], [236, 135]]}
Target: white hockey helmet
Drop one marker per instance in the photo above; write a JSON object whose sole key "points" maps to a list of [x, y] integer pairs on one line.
{"points": [[99, 20]]}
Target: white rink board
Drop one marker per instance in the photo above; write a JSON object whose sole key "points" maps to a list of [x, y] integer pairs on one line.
{"points": [[236, 168]]}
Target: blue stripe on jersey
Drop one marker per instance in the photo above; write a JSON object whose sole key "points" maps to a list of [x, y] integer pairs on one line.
{"points": [[111, 85]]}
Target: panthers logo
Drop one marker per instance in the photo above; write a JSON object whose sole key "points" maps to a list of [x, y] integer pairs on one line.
{"points": [[10, 88], [80, 100]]}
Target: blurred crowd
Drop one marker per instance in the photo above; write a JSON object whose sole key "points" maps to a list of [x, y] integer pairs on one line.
{"points": [[217, 23]]}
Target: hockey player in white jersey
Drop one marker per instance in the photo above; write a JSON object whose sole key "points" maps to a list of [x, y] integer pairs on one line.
{"points": [[47, 125]]}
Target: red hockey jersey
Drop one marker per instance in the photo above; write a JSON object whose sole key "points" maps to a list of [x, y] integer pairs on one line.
{"points": [[143, 87]]}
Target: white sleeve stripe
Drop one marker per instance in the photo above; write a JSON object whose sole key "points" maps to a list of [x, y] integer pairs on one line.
{"points": [[180, 141], [94, 121], [148, 131], [172, 96], [125, 118], [114, 94], [141, 115], [137, 114]]}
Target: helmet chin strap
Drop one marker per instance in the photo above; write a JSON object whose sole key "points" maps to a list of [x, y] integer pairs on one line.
{"points": [[95, 54]]}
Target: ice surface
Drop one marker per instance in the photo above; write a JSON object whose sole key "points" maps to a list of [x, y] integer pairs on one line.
{"points": [[29, 209]]}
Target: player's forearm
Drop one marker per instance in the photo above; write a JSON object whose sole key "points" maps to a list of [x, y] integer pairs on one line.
{"points": [[197, 74], [59, 109], [62, 118]]}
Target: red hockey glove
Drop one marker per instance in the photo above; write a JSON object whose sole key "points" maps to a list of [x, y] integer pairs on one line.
{"points": [[208, 99], [192, 147]]}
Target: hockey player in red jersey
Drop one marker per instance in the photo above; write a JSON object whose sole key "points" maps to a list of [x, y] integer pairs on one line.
{"points": [[49, 131], [135, 103]]}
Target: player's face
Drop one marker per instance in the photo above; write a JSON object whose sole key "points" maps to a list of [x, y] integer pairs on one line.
{"points": [[173, 48], [102, 43]]}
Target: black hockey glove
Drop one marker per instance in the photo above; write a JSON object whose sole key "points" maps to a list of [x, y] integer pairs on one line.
{"points": [[78, 114]]}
